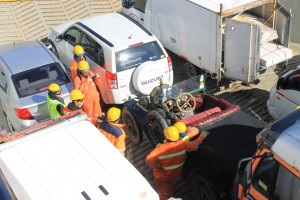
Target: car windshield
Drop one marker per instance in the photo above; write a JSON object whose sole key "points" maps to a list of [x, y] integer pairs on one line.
{"points": [[136, 55], [192, 85], [37, 80]]}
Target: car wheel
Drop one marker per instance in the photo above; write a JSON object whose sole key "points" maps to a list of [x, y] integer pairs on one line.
{"points": [[156, 124], [191, 70], [201, 186], [53, 49], [132, 129]]}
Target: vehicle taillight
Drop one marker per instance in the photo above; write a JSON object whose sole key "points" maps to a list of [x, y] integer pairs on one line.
{"points": [[23, 114], [112, 80], [170, 64]]}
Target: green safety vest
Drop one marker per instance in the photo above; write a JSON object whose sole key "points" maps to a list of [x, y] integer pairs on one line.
{"points": [[170, 156], [51, 104]]}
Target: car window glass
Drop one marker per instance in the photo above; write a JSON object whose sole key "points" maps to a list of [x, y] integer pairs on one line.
{"points": [[136, 55], [140, 5], [92, 49], [263, 177], [72, 36], [3, 82], [37, 80]]}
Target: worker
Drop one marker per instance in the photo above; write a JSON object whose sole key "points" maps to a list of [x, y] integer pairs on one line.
{"points": [[167, 160], [76, 103], [55, 102], [79, 55], [85, 82], [112, 130], [186, 133]]}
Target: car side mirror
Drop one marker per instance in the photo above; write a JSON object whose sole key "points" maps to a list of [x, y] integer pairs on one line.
{"points": [[127, 3], [58, 38]]}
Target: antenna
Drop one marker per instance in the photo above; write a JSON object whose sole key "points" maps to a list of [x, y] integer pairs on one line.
{"points": [[130, 36]]}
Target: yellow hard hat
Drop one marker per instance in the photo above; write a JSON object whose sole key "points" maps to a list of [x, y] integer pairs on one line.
{"points": [[113, 114], [171, 133], [78, 50], [76, 95], [53, 87], [181, 127], [83, 65]]}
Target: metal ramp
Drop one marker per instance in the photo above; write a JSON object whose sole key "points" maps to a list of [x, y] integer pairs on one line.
{"points": [[25, 20]]}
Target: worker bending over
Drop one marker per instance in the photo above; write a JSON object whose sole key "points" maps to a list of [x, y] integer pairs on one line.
{"points": [[55, 102], [113, 131], [77, 99], [85, 81], [167, 160], [186, 133]]}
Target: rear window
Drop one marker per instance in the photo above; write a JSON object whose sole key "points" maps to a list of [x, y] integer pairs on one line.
{"points": [[37, 80], [134, 56]]}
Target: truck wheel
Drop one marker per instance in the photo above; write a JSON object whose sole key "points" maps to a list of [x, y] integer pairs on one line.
{"points": [[156, 124], [191, 70], [132, 129], [202, 187]]}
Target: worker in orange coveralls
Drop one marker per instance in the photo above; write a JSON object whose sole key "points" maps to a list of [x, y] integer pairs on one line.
{"points": [[86, 81], [77, 99], [167, 160], [79, 55], [113, 131], [186, 133]]}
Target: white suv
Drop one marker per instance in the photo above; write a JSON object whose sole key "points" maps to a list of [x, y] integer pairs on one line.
{"points": [[129, 58]]}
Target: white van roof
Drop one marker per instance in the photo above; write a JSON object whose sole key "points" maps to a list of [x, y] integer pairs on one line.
{"points": [[229, 5], [70, 160], [117, 28]]}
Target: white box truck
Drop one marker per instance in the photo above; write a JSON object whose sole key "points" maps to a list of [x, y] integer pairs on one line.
{"points": [[70, 159], [226, 38]]}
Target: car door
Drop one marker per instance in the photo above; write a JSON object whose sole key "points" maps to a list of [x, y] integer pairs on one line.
{"points": [[95, 57], [70, 38], [3, 87]]}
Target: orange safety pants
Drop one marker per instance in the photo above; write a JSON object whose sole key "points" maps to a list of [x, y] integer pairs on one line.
{"points": [[165, 188], [91, 106]]}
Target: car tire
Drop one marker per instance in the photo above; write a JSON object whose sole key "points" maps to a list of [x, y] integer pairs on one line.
{"points": [[202, 186], [53, 49], [191, 70], [132, 129], [156, 124]]}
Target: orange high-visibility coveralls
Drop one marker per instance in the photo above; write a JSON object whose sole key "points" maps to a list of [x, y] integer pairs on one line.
{"points": [[190, 133], [73, 68], [167, 160], [115, 134], [91, 105]]}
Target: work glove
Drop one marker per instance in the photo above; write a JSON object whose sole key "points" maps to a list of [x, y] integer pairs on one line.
{"points": [[204, 134]]}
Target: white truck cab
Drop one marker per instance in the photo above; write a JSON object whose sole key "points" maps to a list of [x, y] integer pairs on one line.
{"points": [[70, 159], [226, 38]]}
